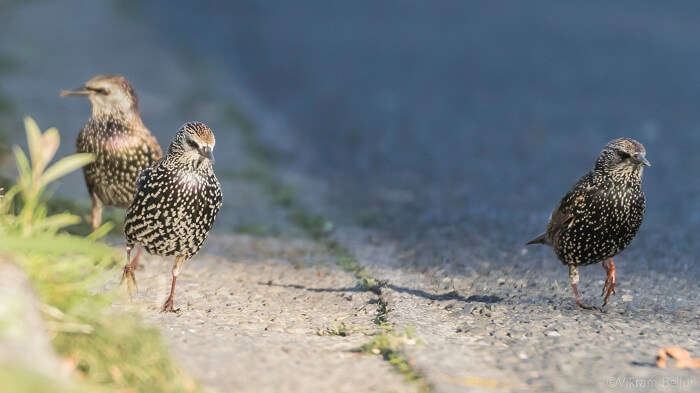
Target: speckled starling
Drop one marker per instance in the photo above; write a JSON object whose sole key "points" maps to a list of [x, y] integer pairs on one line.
{"points": [[121, 143], [176, 201], [601, 214]]}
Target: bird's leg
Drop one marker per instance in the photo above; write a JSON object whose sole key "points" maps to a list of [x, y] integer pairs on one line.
{"points": [[168, 305], [128, 273], [96, 212], [135, 262], [609, 286], [573, 279]]}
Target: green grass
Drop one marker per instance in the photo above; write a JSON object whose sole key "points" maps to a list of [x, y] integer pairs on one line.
{"points": [[17, 380], [340, 330], [389, 345], [84, 210], [258, 230], [111, 351]]}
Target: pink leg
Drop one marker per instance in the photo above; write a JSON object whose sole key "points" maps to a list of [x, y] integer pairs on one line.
{"points": [[609, 286]]}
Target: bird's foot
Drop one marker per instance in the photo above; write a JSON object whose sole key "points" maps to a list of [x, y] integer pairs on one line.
{"points": [[130, 277], [579, 299], [609, 286], [168, 306], [581, 304]]}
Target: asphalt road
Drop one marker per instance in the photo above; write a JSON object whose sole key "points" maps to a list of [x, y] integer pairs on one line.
{"points": [[469, 119]]}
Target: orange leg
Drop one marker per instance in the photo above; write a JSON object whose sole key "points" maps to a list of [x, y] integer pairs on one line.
{"points": [[135, 262], [609, 286], [168, 305]]}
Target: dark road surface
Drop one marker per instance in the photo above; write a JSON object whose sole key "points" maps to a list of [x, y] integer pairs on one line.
{"points": [[460, 125]]}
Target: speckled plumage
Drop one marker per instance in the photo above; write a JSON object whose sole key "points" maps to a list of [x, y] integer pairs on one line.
{"points": [[602, 213], [122, 144], [177, 199], [122, 150]]}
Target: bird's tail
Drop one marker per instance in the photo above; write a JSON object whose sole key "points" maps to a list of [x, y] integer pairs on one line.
{"points": [[538, 240]]}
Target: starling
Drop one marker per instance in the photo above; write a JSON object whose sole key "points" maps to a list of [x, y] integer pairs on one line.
{"points": [[121, 143], [176, 201], [601, 214]]}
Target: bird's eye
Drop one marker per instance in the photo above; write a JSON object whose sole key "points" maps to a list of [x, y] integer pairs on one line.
{"points": [[99, 90], [193, 144], [624, 154]]}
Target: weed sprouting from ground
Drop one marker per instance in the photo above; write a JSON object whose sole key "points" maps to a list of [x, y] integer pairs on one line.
{"points": [[340, 330], [388, 345]]}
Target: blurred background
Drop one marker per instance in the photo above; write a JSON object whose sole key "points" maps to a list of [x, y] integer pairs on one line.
{"points": [[451, 127]]}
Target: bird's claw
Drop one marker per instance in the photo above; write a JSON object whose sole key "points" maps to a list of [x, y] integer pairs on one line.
{"points": [[584, 306], [168, 306], [130, 277]]}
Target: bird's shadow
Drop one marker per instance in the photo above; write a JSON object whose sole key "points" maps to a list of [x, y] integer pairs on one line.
{"points": [[643, 364], [356, 288], [452, 295]]}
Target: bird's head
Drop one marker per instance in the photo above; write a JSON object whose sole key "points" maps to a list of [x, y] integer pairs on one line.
{"points": [[623, 154], [194, 144], [108, 94]]}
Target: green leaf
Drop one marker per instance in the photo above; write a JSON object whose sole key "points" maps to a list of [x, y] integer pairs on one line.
{"points": [[56, 222], [7, 199], [33, 136], [22, 165], [101, 232], [64, 166], [49, 144]]}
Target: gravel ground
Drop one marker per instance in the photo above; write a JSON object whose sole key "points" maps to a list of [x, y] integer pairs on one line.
{"points": [[437, 139], [258, 315]]}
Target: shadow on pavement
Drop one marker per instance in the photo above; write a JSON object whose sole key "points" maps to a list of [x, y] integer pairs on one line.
{"points": [[302, 287], [453, 295]]}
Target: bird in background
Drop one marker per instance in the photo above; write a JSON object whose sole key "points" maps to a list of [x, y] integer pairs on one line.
{"points": [[121, 143], [176, 201], [601, 214]]}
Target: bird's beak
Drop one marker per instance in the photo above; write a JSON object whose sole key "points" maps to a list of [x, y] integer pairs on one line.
{"points": [[641, 158], [81, 91], [208, 153]]}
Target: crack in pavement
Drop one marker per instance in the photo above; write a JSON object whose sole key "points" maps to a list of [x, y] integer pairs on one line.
{"points": [[261, 324]]}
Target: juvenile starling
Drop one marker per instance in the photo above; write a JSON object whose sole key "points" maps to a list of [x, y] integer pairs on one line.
{"points": [[601, 214], [121, 143], [176, 201]]}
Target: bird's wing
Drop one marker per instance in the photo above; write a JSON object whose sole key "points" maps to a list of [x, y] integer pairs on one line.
{"points": [[565, 213], [562, 216], [154, 150]]}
